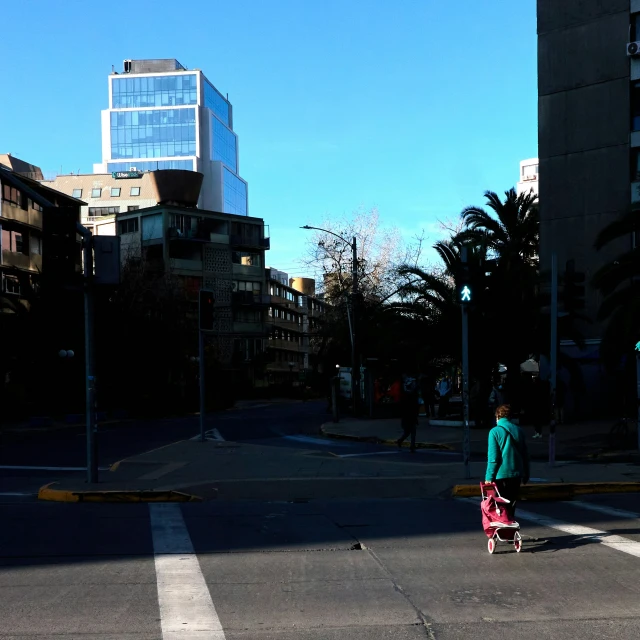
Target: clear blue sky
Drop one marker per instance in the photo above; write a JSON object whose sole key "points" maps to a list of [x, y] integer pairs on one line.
{"points": [[415, 107]]}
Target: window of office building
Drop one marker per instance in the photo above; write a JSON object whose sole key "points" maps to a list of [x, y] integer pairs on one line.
{"points": [[153, 134], [223, 144], [247, 315], [245, 258], [154, 91], [128, 226], [235, 194], [96, 193], [14, 241], [77, 193], [135, 191], [133, 207], [115, 192], [214, 101], [150, 165]]}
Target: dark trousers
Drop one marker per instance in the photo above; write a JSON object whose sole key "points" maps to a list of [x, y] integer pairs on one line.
{"points": [[509, 488], [409, 430]]}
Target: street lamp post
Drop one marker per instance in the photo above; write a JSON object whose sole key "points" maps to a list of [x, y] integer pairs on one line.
{"points": [[355, 369]]}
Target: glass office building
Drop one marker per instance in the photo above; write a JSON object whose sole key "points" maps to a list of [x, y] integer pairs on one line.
{"points": [[163, 116]]}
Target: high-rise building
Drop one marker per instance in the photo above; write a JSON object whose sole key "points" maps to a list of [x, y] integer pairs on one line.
{"points": [[588, 139], [164, 116], [528, 180]]}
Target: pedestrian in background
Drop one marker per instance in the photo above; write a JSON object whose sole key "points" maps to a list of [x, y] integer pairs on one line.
{"points": [[444, 389], [507, 456], [409, 410]]}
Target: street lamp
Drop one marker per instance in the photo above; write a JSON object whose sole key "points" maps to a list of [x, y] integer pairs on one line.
{"points": [[355, 370]]}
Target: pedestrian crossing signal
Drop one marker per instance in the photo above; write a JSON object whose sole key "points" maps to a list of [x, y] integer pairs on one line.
{"points": [[206, 310], [465, 294]]}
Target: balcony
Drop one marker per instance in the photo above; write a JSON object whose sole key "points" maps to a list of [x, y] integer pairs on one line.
{"points": [[250, 242], [289, 345], [250, 299], [31, 262]]}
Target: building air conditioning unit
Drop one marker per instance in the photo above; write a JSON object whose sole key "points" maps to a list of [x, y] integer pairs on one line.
{"points": [[633, 49]]}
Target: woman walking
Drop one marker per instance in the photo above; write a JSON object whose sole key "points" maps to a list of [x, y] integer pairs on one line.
{"points": [[507, 457]]}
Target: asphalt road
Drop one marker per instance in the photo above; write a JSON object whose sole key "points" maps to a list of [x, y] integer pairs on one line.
{"points": [[341, 570], [28, 461]]}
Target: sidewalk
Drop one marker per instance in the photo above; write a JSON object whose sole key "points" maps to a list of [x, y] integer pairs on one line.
{"points": [[192, 470], [582, 441]]}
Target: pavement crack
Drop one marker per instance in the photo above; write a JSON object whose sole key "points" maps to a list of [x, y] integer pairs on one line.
{"points": [[421, 615]]}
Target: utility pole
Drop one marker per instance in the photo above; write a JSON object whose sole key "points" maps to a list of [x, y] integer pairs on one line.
{"points": [[553, 358], [90, 382], [465, 298], [355, 369]]}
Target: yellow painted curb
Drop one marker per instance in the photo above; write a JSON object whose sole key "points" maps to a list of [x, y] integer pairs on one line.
{"points": [[555, 490], [375, 440], [49, 493]]}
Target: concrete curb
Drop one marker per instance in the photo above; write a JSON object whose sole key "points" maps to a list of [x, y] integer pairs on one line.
{"points": [[375, 440], [555, 490], [51, 494]]}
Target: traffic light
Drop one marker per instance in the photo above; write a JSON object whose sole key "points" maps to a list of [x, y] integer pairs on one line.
{"points": [[573, 292], [206, 313], [60, 247], [464, 287]]}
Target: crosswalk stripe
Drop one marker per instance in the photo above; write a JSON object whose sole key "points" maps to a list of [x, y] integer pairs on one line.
{"points": [[594, 535], [186, 608], [610, 511]]}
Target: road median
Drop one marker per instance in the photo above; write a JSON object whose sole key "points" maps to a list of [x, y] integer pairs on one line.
{"points": [[53, 492]]}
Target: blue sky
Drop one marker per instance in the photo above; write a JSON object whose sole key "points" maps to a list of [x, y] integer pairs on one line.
{"points": [[415, 107]]}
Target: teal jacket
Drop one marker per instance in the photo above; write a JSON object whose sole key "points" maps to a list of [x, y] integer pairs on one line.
{"points": [[508, 456]]}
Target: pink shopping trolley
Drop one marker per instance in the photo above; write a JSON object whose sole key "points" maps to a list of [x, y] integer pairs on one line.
{"points": [[497, 518]]}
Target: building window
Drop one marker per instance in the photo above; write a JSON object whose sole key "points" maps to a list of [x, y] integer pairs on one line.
{"points": [[214, 101], [128, 226], [14, 241], [157, 133], [103, 211], [154, 91], [244, 285], [115, 192], [96, 193], [635, 27], [235, 194], [135, 191], [223, 144], [133, 207], [10, 285], [245, 258], [246, 315], [76, 193], [151, 165], [14, 196]]}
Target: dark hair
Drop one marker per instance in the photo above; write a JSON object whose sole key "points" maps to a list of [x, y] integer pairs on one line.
{"points": [[503, 411]]}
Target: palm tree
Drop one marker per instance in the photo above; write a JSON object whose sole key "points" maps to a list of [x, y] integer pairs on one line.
{"points": [[619, 283]]}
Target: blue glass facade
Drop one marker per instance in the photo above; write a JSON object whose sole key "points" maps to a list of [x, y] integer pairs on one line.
{"points": [[154, 91], [214, 101], [151, 165], [223, 144], [153, 133], [235, 194]]}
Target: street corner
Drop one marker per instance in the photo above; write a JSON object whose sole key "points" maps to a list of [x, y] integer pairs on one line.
{"points": [[54, 492], [554, 490], [329, 430]]}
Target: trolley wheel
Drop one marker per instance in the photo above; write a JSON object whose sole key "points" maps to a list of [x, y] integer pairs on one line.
{"points": [[491, 545], [517, 543]]}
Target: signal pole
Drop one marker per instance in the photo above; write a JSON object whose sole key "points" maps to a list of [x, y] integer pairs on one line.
{"points": [[465, 299]]}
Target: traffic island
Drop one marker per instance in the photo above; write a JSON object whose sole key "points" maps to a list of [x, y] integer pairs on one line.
{"points": [[53, 492]]}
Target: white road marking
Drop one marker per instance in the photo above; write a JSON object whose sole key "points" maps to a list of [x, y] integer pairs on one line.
{"points": [[36, 468], [371, 453], [186, 608], [618, 543], [310, 440], [610, 511], [16, 493]]}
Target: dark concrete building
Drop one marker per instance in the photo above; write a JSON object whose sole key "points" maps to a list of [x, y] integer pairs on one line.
{"points": [[584, 99]]}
